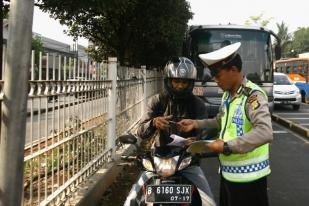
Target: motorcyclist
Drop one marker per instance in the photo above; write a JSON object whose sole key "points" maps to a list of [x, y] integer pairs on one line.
{"points": [[176, 102]]}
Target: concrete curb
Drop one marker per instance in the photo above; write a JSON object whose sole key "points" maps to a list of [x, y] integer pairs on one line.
{"points": [[292, 125], [90, 192]]}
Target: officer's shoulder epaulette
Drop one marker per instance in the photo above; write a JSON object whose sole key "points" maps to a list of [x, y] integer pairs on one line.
{"points": [[247, 91]]}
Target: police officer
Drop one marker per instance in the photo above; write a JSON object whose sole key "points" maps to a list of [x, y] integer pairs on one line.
{"points": [[245, 131]]}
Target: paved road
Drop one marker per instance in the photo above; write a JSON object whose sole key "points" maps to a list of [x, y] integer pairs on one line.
{"points": [[300, 117], [288, 183]]}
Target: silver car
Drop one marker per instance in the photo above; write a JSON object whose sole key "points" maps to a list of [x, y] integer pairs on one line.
{"points": [[286, 92]]}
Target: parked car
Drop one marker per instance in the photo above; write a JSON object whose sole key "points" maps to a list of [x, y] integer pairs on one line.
{"points": [[285, 92]]}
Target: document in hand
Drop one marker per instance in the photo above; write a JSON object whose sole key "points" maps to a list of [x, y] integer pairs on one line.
{"points": [[199, 146], [178, 141]]}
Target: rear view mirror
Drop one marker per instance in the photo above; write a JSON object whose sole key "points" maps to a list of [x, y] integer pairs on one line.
{"points": [[127, 139], [206, 75], [277, 52]]}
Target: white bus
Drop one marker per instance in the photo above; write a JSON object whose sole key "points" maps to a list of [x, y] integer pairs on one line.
{"points": [[259, 48]]}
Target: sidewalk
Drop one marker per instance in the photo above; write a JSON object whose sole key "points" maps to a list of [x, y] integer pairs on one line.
{"points": [[91, 191]]}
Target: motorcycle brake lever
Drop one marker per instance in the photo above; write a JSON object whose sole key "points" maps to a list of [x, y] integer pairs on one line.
{"points": [[172, 123], [125, 164], [128, 158]]}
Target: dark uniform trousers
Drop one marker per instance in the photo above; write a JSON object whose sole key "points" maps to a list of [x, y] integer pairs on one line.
{"points": [[244, 194]]}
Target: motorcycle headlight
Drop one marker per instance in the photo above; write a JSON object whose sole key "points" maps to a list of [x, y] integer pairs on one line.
{"points": [[185, 163], [165, 167], [147, 164]]}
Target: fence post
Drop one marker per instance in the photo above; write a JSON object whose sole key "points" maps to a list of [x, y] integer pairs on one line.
{"points": [[144, 74], [14, 105], [112, 75]]}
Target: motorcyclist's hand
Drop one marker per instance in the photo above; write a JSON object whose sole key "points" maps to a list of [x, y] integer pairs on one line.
{"points": [[189, 141], [216, 146], [186, 125], [162, 122]]}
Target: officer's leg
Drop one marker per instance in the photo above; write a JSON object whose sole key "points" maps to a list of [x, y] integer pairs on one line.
{"points": [[243, 194]]}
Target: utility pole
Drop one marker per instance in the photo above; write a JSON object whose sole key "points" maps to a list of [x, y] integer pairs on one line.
{"points": [[14, 105]]}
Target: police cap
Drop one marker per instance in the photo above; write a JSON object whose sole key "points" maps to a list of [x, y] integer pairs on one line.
{"points": [[219, 58]]}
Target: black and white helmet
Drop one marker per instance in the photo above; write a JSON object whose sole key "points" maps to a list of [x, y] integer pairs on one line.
{"points": [[179, 68]]}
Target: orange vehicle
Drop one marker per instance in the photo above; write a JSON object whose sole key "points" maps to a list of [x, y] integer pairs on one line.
{"points": [[294, 77], [297, 71]]}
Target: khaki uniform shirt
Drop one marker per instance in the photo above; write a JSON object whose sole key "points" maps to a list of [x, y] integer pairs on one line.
{"points": [[259, 116]]}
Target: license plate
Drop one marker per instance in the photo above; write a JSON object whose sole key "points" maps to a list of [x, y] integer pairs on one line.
{"points": [[198, 91], [168, 194]]}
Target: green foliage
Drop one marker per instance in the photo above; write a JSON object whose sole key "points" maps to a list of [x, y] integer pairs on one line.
{"points": [[5, 9], [299, 43], [136, 31], [37, 46], [258, 20], [284, 36]]}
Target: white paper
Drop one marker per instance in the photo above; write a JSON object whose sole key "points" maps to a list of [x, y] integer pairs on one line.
{"points": [[177, 141], [199, 146]]}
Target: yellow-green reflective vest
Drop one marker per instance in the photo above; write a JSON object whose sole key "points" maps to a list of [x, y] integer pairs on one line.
{"points": [[234, 123]]}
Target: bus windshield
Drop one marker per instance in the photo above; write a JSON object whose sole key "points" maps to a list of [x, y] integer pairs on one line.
{"points": [[255, 50]]}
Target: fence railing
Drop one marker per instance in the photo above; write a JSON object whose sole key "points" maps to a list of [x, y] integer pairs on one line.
{"points": [[75, 112]]}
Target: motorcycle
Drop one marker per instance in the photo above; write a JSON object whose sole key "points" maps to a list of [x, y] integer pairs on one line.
{"points": [[165, 179]]}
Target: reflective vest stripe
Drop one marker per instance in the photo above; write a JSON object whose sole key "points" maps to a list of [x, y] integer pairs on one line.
{"points": [[246, 162], [248, 176], [247, 168]]}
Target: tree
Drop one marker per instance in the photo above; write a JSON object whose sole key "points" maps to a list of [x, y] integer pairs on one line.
{"points": [[284, 36], [258, 20], [300, 42], [37, 46], [136, 31]]}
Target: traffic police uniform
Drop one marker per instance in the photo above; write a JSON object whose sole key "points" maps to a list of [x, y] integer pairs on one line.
{"points": [[246, 129]]}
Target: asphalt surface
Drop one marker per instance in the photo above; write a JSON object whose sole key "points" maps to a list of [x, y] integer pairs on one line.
{"points": [[300, 117], [288, 182]]}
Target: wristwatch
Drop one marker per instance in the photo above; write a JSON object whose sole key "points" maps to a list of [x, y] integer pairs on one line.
{"points": [[226, 149]]}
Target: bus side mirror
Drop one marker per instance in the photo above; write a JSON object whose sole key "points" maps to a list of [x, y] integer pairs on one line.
{"points": [[277, 52], [206, 75]]}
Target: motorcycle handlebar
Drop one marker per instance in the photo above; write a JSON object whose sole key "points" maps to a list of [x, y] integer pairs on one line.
{"points": [[128, 158]]}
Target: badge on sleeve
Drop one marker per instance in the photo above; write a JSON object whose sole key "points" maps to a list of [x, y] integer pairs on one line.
{"points": [[254, 103]]}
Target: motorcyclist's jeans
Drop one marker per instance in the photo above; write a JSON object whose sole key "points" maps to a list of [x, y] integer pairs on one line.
{"points": [[192, 173]]}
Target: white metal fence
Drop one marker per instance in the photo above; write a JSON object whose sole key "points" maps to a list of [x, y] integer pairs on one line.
{"points": [[75, 112]]}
